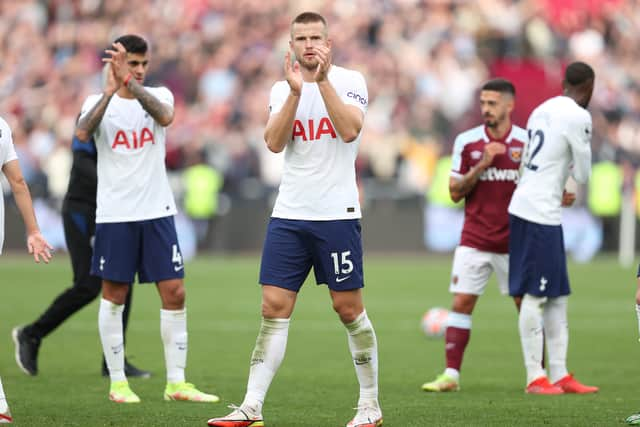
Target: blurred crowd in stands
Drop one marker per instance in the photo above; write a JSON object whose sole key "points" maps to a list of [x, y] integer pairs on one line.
{"points": [[423, 59]]}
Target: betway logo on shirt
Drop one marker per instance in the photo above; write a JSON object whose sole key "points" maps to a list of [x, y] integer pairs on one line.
{"points": [[131, 140], [495, 174], [309, 131]]}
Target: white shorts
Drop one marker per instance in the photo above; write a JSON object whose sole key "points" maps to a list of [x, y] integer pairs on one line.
{"points": [[472, 268]]}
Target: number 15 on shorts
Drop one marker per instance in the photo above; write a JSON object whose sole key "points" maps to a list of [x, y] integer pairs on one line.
{"points": [[341, 262]]}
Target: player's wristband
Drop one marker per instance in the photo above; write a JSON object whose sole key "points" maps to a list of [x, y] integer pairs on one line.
{"points": [[127, 79]]}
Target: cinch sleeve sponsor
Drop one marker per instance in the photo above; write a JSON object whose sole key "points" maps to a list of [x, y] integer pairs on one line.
{"points": [[278, 96], [355, 92]]}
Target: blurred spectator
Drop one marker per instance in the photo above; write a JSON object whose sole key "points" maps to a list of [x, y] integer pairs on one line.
{"points": [[423, 59]]}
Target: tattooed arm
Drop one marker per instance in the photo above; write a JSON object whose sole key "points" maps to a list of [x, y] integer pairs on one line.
{"points": [[88, 124], [160, 111]]}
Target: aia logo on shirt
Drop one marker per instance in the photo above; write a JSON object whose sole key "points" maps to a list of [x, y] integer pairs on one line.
{"points": [[131, 140], [311, 132]]}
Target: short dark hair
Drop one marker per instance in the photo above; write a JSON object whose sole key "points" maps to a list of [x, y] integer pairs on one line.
{"points": [[133, 43], [578, 73], [500, 85], [309, 17]]}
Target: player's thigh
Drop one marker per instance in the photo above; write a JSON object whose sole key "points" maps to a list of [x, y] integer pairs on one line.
{"points": [[160, 258], [500, 265], [471, 271], [116, 251], [337, 254], [286, 256]]}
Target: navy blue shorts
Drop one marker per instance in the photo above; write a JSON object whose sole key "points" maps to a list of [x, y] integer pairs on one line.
{"points": [[149, 248], [332, 248], [537, 261]]}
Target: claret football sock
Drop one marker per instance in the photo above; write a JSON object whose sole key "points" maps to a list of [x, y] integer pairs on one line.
{"points": [[556, 333], [531, 335], [173, 329], [456, 338], [364, 351], [266, 358], [111, 336]]}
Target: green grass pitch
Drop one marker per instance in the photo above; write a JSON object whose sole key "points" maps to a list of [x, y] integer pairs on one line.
{"points": [[316, 385]]}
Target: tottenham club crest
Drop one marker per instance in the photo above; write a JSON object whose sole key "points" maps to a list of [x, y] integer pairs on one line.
{"points": [[515, 153]]}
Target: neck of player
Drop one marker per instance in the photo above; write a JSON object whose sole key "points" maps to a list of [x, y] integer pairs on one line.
{"points": [[499, 131], [124, 92], [309, 76]]}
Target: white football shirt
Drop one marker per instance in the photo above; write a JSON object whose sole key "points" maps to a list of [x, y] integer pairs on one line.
{"points": [[7, 154], [559, 145], [132, 177], [319, 178]]}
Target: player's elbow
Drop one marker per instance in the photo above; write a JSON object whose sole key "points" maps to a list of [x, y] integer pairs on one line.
{"points": [[456, 197], [82, 135], [273, 146], [349, 137], [165, 120], [18, 184]]}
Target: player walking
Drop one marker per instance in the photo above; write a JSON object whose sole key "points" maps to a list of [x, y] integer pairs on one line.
{"points": [[316, 117], [79, 220], [36, 244], [135, 231], [559, 144], [485, 165]]}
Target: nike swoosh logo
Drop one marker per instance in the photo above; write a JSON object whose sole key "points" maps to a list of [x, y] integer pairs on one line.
{"points": [[341, 279], [178, 268]]}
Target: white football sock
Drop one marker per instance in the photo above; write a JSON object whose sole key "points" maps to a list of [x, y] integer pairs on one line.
{"points": [[4, 406], [110, 327], [556, 333], [530, 325], [266, 358], [364, 351], [173, 329]]}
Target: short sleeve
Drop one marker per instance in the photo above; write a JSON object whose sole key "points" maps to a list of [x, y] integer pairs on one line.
{"points": [[578, 133], [354, 91], [459, 165], [164, 95], [88, 104], [278, 96], [7, 150]]}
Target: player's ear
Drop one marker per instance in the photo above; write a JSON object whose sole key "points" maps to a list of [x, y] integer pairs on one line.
{"points": [[329, 43], [510, 104]]}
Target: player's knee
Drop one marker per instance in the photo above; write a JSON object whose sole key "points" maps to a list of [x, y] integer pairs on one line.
{"points": [[274, 309], [464, 303], [177, 294], [348, 312]]}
